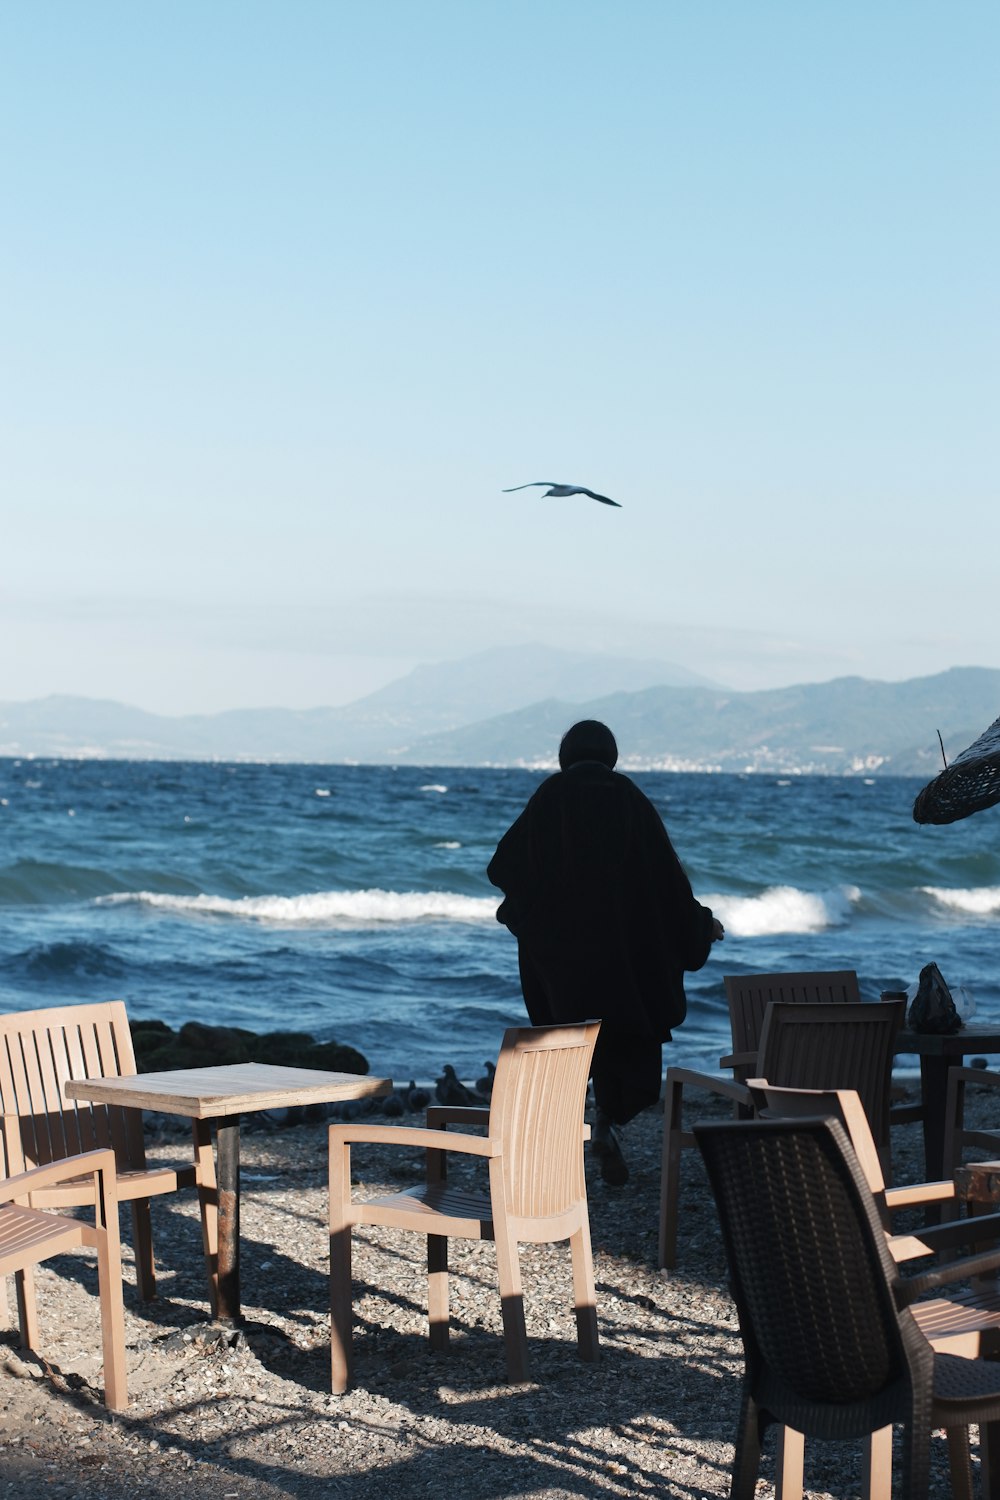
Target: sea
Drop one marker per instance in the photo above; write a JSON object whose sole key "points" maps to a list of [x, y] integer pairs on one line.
{"points": [[352, 902]]}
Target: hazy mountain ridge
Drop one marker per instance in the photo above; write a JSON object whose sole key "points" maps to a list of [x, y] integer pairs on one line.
{"points": [[849, 726], [852, 725]]}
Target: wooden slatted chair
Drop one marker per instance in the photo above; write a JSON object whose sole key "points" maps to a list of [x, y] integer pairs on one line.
{"points": [[832, 1347], [29, 1236], [533, 1148], [818, 1044], [40, 1051]]}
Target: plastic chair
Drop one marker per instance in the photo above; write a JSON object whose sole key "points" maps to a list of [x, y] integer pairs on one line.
{"points": [[29, 1236], [749, 995], [817, 1044], [537, 1188], [967, 1326], [40, 1050], [832, 1349]]}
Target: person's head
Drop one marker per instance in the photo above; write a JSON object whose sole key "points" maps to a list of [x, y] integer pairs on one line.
{"points": [[588, 740]]}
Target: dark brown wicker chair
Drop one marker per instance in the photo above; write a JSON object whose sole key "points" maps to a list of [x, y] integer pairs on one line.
{"points": [[832, 1349], [749, 995], [817, 1045]]}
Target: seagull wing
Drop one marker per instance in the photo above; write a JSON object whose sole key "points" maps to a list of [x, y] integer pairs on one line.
{"points": [[604, 499], [562, 490]]}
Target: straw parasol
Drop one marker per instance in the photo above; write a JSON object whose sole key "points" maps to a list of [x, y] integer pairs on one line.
{"points": [[969, 784]]}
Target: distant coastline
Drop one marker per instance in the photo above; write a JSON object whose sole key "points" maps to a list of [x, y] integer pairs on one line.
{"points": [[852, 726]]}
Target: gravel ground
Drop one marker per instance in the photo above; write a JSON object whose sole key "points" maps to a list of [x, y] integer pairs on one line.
{"points": [[251, 1418]]}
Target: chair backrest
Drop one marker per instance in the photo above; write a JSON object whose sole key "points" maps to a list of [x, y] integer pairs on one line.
{"points": [[537, 1110], [40, 1050], [835, 1046], [749, 995], [811, 1276], [776, 1103]]}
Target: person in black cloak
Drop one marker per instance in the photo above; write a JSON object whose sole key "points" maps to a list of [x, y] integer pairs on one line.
{"points": [[606, 924]]}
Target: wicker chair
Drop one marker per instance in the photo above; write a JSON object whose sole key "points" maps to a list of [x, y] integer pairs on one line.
{"points": [[832, 1349], [537, 1189], [40, 1051], [819, 1045]]}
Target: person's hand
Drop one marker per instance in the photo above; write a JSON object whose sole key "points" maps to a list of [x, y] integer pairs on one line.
{"points": [[718, 931]]}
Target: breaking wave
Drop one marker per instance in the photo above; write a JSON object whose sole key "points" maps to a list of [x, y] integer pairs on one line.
{"points": [[785, 908], [323, 908], [975, 901]]}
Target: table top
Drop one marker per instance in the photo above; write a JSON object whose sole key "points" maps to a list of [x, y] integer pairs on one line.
{"points": [[973, 1037], [211, 1093]]}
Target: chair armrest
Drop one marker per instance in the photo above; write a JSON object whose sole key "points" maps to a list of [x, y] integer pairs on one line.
{"points": [[738, 1060], [909, 1290], [412, 1135], [910, 1195], [980, 1229], [440, 1116], [903, 1247], [64, 1170], [729, 1089]]}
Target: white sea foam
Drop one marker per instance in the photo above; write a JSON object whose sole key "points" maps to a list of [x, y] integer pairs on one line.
{"points": [[323, 908], [974, 901], [434, 787], [448, 844], [784, 908]]}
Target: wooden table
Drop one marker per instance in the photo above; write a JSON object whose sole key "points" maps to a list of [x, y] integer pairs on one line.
{"points": [[221, 1095], [938, 1055]]}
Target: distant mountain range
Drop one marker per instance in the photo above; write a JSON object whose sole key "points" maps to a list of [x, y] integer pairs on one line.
{"points": [[510, 706]]}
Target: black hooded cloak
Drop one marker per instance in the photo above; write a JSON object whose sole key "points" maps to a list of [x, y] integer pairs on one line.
{"points": [[604, 915]]}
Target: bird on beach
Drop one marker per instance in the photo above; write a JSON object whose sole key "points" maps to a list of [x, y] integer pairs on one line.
{"points": [[484, 1085], [451, 1090], [562, 490]]}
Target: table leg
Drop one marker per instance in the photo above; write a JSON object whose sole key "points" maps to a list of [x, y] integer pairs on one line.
{"points": [[227, 1148], [934, 1099]]}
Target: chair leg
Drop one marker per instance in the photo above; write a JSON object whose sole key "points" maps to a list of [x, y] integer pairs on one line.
{"points": [[584, 1293], [208, 1204], [876, 1473], [670, 1169], [746, 1463], [438, 1315], [789, 1463], [109, 1280], [142, 1244], [989, 1458], [917, 1453], [960, 1465], [509, 1276], [341, 1305], [27, 1307]]}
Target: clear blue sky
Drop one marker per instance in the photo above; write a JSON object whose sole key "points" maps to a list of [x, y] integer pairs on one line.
{"points": [[292, 290]]}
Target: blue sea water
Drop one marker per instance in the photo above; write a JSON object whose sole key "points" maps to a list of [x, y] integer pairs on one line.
{"points": [[352, 901]]}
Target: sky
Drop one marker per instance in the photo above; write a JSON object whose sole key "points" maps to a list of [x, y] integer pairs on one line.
{"points": [[293, 289]]}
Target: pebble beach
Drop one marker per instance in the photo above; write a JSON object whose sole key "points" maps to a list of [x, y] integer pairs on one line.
{"points": [[250, 1417]]}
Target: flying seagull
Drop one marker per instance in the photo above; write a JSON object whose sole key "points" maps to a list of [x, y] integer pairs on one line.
{"points": [[561, 490]]}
